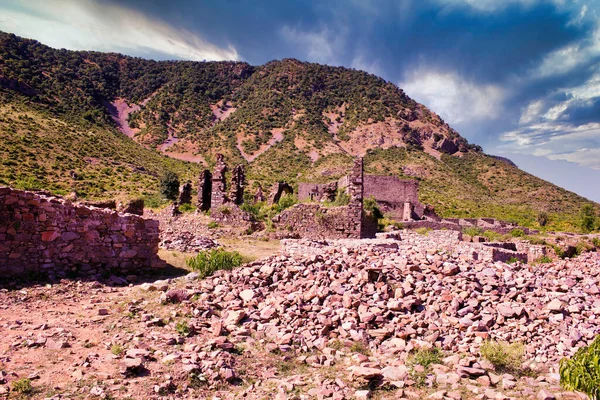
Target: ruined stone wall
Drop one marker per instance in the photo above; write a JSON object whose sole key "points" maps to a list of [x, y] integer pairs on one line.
{"points": [[317, 191], [41, 235], [392, 193], [317, 222]]}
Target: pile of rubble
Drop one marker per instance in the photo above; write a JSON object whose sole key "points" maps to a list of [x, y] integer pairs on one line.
{"points": [[185, 241], [325, 319]]}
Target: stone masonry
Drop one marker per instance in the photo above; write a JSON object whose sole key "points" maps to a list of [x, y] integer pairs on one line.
{"points": [[50, 236], [219, 184]]}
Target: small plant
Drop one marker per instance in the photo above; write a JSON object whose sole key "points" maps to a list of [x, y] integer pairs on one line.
{"points": [[341, 198], [213, 225], [423, 231], [371, 208], [183, 328], [424, 358], [542, 260], [208, 262], [513, 260], [504, 357], [517, 233], [22, 386], [582, 371], [473, 231], [187, 207], [596, 242], [225, 210], [197, 380], [361, 348], [116, 349]]}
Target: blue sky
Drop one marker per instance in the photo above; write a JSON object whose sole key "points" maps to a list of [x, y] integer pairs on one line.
{"points": [[519, 77]]}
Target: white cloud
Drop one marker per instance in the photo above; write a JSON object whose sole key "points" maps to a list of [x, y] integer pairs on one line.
{"points": [[87, 24], [454, 98], [487, 6], [322, 46]]}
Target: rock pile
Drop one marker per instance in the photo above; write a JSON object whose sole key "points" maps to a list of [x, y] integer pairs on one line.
{"points": [[396, 301], [185, 241]]}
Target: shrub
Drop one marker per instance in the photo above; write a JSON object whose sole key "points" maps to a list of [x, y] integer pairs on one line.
{"points": [[341, 198], [286, 201], [503, 356], [582, 371], [423, 231], [493, 236], [212, 225], [543, 218], [472, 231], [517, 233], [596, 242], [116, 349], [187, 207], [182, 328], [587, 217], [424, 358], [169, 185], [371, 208], [208, 262], [385, 222], [22, 386], [542, 260]]}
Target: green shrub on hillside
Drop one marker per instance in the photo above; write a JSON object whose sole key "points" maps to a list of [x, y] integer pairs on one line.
{"points": [[587, 216], [472, 231], [169, 185], [582, 371]]}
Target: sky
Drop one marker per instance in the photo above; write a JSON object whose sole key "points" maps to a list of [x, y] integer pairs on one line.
{"points": [[521, 78]]}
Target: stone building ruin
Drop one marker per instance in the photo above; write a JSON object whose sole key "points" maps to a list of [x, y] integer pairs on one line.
{"points": [[395, 197]]}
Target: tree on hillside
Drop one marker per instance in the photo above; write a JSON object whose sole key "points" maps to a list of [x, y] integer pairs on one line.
{"points": [[587, 216], [169, 185]]}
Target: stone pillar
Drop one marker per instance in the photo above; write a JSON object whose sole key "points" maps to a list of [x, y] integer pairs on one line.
{"points": [[407, 212], [356, 192], [259, 196], [204, 190], [185, 193], [238, 182], [219, 185]]}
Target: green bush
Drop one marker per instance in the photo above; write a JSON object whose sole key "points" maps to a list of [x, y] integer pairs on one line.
{"points": [[473, 231], [423, 231], [517, 233], [212, 225], [542, 260], [582, 371], [543, 218], [341, 198], [371, 208], [424, 358], [596, 242], [587, 217], [183, 328], [187, 207], [505, 357], [286, 201], [208, 262], [22, 386], [169, 185]]}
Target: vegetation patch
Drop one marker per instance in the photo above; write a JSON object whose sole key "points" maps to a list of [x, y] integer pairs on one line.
{"points": [[582, 371], [208, 262], [505, 357]]}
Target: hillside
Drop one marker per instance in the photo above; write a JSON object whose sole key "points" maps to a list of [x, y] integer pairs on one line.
{"points": [[286, 120]]}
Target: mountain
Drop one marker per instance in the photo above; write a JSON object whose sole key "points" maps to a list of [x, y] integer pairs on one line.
{"points": [[67, 119]]}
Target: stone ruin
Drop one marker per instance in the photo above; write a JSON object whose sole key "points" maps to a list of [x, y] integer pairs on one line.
{"points": [[315, 221], [395, 197], [50, 236], [277, 190], [185, 193]]}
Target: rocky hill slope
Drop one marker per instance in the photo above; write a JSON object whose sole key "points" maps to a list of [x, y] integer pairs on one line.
{"points": [[286, 120]]}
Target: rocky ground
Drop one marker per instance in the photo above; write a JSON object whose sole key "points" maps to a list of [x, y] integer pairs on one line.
{"points": [[338, 320]]}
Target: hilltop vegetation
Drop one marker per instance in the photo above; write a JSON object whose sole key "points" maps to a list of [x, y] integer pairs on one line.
{"points": [[285, 120]]}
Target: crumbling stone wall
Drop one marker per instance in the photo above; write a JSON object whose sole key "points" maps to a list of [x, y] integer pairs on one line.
{"points": [[317, 222], [42, 235], [397, 197], [317, 191]]}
